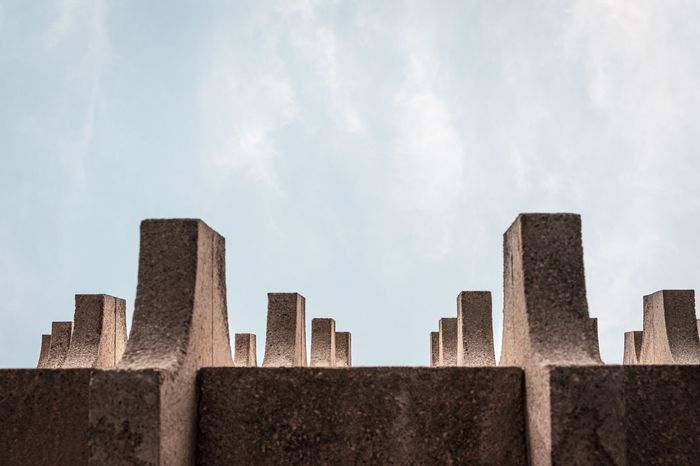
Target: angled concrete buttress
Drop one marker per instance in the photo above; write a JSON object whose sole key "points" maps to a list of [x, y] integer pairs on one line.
{"points": [[60, 342], [144, 411], [44, 354], [343, 349], [285, 341], [322, 343], [633, 346], [474, 329], [448, 342], [434, 349], [96, 331], [245, 350], [670, 328]]}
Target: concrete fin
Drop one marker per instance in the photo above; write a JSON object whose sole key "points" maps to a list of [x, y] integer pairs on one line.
{"points": [[44, 354], [670, 328], [343, 349], [285, 341], [322, 343], [245, 350], [448, 342], [474, 329], [60, 342]]}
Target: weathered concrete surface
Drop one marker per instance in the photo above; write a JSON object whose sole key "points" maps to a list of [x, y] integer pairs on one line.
{"points": [[322, 343], [94, 342], [545, 315], [144, 412], [361, 416], [670, 328], [245, 350], [44, 353], [447, 342], [633, 347], [285, 341], [343, 349], [434, 349], [60, 342], [44, 416], [474, 329]]}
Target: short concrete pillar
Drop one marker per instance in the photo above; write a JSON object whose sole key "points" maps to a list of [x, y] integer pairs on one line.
{"points": [[633, 346], [285, 341], [245, 350], [670, 328], [474, 329], [322, 343], [434, 349], [343, 349], [44, 354], [448, 342], [60, 342]]}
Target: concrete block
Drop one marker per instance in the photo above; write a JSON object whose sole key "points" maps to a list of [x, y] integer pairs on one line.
{"points": [[670, 328], [474, 329], [245, 352], [44, 353], [343, 349], [60, 342], [322, 343], [633, 347], [361, 416], [448, 342], [434, 349], [285, 341]]}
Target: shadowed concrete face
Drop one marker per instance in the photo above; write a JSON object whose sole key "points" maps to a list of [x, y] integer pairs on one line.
{"points": [[448, 342], [322, 343], [44, 354], [434, 349], [145, 411], [285, 341], [95, 335], [474, 329], [670, 328], [343, 349], [633, 347], [244, 355], [60, 342]]}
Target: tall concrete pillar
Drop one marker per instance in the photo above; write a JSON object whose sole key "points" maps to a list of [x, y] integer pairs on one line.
{"points": [[285, 341], [670, 328], [245, 352], [633, 347], [434, 349], [448, 342], [60, 342], [474, 329], [343, 349], [44, 354], [322, 343]]}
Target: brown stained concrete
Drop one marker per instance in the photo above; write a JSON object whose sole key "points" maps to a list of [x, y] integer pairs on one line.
{"points": [[382, 415], [95, 334], [44, 354], [145, 412], [343, 349], [545, 316], [474, 329], [670, 328], [434, 349], [447, 348], [322, 343], [633, 347], [285, 341], [245, 350], [60, 342]]}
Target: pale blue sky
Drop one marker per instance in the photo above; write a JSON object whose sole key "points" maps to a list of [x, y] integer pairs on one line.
{"points": [[369, 155]]}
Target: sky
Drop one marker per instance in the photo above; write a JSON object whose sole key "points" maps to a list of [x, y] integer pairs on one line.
{"points": [[368, 155]]}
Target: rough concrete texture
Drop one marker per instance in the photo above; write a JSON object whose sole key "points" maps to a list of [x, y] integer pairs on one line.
{"points": [[474, 329], [44, 416], [434, 349], [633, 347], [361, 416], [44, 353], [245, 350], [285, 341], [670, 328], [343, 349], [144, 412], [545, 315], [60, 342], [322, 343], [95, 333], [447, 348]]}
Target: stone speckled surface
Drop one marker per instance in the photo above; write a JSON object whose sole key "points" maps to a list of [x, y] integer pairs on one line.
{"points": [[361, 416], [670, 328], [447, 347], [322, 343], [60, 342], [245, 350], [285, 341], [633, 346], [343, 349], [474, 329]]}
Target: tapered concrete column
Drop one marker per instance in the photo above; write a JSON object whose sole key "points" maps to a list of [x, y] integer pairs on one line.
{"points": [[60, 341], [633, 347], [44, 354], [474, 329], [96, 334], [285, 342], [245, 353], [434, 349], [670, 328], [145, 411], [322, 343], [448, 342], [343, 349]]}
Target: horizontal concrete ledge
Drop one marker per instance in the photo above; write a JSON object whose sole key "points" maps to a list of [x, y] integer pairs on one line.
{"points": [[378, 415]]}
